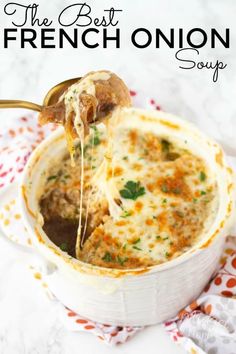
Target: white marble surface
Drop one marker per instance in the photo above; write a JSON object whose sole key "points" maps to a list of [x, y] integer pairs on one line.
{"points": [[29, 322]]}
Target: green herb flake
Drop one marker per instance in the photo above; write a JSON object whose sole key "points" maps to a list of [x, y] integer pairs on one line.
{"points": [[107, 257], [95, 139], [66, 176], [125, 158], [136, 241], [167, 254], [164, 201], [122, 260], [203, 193], [195, 200], [202, 176], [132, 190], [165, 238], [137, 248], [64, 247], [51, 178], [126, 214], [158, 237], [164, 188]]}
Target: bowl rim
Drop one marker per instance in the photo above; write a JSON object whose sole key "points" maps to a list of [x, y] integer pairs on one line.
{"points": [[50, 249]]}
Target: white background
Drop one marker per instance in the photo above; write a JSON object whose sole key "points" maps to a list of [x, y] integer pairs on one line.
{"points": [[29, 322]]}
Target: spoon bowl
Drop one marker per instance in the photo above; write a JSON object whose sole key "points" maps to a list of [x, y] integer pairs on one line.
{"points": [[56, 91]]}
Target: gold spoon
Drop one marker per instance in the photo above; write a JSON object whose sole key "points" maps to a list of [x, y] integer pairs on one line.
{"points": [[50, 99]]}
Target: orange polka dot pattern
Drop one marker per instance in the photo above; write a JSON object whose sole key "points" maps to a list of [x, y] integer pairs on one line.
{"points": [[109, 334], [17, 142]]}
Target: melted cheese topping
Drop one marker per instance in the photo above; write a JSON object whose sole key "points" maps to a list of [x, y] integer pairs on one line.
{"points": [[72, 106], [167, 199], [72, 97], [148, 197]]}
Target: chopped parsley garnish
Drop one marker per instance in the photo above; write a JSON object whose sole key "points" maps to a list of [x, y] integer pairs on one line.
{"points": [[136, 241], [203, 193], [107, 257], [167, 254], [132, 190], [125, 158], [126, 214], [95, 139], [64, 247], [94, 127], [50, 178], [202, 176], [195, 200], [165, 238], [167, 189], [164, 201], [158, 237], [137, 248], [122, 260], [164, 188]]}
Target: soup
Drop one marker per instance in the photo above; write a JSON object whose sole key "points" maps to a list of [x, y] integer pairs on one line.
{"points": [[147, 198]]}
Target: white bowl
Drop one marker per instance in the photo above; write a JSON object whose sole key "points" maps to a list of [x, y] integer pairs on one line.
{"points": [[138, 296]]}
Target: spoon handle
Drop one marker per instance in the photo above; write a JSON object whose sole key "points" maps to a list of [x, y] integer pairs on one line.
{"points": [[20, 104]]}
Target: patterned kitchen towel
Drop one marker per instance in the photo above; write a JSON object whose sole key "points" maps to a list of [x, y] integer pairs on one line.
{"points": [[208, 325]]}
